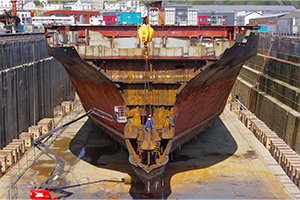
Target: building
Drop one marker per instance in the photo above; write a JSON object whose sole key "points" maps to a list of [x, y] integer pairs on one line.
{"points": [[97, 4], [52, 6], [109, 6], [79, 5], [181, 10], [127, 6], [268, 23], [25, 16], [181, 14], [44, 2], [118, 6], [6, 5], [215, 18], [81, 16], [242, 18], [142, 9], [30, 6], [97, 20], [290, 23], [131, 5]]}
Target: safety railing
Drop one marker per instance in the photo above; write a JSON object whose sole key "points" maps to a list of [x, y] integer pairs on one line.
{"points": [[16, 171]]}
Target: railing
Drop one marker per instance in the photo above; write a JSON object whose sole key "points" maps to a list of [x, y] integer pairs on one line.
{"points": [[280, 34], [242, 105], [17, 171]]}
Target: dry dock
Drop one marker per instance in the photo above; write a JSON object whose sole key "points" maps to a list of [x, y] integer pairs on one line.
{"points": [[224, 162]]}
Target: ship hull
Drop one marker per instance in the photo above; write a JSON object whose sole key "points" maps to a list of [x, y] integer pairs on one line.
{"points": [[197, 104], [94, 89]]}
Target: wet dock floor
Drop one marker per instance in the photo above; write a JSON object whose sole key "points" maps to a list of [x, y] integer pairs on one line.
{"points": [[224, 162]]}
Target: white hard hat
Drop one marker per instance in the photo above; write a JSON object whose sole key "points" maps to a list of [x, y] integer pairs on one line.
{"points": [[149, 115]]}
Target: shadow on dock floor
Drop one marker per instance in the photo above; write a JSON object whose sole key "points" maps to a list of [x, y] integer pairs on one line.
{"points": [[212, 146]]}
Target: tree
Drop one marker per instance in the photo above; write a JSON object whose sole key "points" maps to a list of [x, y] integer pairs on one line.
{"points": [[38, 3], [37, 12]]}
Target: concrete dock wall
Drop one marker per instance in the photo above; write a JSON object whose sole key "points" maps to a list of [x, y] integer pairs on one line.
{"points": [[280, 118], [274, 98], [285, 50], [19, 52], [32, 84]]}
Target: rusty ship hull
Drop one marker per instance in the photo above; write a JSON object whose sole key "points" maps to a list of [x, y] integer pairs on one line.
{"points": [[184, 85]]}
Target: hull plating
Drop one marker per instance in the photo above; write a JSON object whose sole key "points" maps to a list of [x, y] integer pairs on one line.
{"points": [[198, 102]]}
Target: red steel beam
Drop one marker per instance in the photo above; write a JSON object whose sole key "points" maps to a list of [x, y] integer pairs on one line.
{"points": [[159, 31]]}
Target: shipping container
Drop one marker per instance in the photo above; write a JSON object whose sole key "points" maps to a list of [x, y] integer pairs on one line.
{"points": [[129, 18], [192, 17], [110, 18], [153, 16], [170, 16]]}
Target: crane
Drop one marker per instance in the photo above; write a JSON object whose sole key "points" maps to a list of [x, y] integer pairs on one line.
{"points": [[10, 18], [42, 191]]}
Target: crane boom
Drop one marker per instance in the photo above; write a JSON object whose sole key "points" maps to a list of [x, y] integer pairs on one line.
{"points": [[42, 192]]}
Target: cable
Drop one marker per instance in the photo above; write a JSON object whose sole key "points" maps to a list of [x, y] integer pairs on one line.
{"points": [[283, 61], [247, 78], [258, 75], [255, 66]]}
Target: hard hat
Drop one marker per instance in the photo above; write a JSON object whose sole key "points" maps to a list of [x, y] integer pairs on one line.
{"points": [[149, 115]]}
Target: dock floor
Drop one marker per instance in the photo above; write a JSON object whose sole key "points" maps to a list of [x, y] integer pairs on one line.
{"points": [[224, 162]]}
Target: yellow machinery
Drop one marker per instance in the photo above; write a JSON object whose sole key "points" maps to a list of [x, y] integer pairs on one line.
{"points": [[146, 33]]}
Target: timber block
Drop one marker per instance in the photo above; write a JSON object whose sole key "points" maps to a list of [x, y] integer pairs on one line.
{"points": [[246, 114], [59, 111], [280, 149], [287, 156], [19, 146], [274, 142], [242, 113], [9, 156], [72, 104], [28, 137], [255, 124], [291, 168], [234, 106], [283, 154], [296, 177], [3, 162], [266, 138], [287, 160], [22, 142], [37, 130], [15, 152], [67, 105], [260, 131], [248, 119], [46, 124]]}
